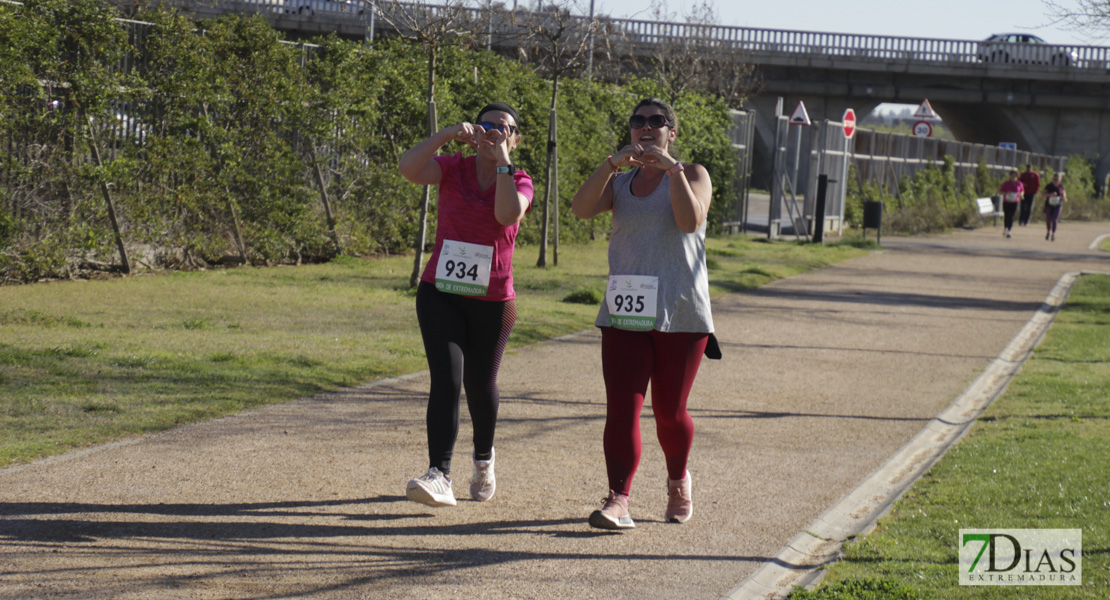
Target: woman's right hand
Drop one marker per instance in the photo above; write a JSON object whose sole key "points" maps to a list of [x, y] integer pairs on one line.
{"points": [[629, 156], [466, 133]]}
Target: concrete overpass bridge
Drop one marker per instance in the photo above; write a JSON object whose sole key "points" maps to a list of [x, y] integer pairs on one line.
{"points": [[1051, 100]]}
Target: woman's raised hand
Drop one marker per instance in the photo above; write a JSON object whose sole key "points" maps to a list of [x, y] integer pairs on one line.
{"points": [[494, 139], [657, 157], [467, 133], [629, 156]]}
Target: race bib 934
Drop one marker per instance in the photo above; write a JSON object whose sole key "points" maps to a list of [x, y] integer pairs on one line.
{"points": [[464, 268]]}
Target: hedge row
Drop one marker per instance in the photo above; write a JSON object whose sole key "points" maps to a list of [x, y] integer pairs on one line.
{"points": [[215, 150], [935, 199]]}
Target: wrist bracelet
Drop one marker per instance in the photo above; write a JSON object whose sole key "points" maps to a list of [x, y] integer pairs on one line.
{"points": [[612, 165], [675, 169]]}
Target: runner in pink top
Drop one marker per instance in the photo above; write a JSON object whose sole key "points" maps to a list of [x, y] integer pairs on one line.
{"points": [[1012, 192], [465, 302], [466, 214]]}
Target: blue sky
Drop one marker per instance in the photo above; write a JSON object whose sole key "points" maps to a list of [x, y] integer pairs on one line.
{"points": [[947, 19]]}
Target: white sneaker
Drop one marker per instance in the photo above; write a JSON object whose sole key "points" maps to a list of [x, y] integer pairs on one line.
{"points": [[432, 488], [483, 483]]}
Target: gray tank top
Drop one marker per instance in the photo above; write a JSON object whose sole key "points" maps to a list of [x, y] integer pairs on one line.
{"points": [[647, 241]]}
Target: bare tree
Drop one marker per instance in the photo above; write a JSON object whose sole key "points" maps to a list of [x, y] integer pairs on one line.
{"points": [[432, 27], [1090, 17], [688, 57], [559, 43]]}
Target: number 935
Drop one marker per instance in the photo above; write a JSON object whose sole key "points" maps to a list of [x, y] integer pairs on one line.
{"points": [[628, 304]]}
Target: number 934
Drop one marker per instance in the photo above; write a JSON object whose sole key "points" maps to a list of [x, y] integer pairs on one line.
{"points": [[459, 270]]}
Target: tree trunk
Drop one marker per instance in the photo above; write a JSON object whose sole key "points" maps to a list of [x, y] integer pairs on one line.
{"points": [[236, 229], [432, 128], [551, 172], [555, 185], [324, 198], [125, 265]]}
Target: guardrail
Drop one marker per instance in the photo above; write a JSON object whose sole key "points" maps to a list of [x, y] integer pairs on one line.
{"points": [[756, 42], [749, 42]]}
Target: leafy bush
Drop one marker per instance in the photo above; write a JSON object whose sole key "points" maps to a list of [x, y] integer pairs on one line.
{"points": [[933, 199], [1079, 183], [252, 149], [857, 589], [584, 295]]}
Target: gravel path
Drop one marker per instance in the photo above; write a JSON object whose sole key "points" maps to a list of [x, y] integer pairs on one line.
{"points": [[825, 376]]}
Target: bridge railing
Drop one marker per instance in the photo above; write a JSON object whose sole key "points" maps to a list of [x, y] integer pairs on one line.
{"points": [[759, 42], [756, 42]]}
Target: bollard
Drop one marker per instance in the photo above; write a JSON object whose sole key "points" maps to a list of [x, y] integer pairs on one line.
{"points": [[873, 218]]}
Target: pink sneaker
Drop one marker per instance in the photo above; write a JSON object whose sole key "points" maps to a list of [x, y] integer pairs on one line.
{"points": [[680, 502], [613, 514]]}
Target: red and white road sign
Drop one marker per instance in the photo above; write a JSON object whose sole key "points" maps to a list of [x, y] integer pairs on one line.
{"points": [[849, 120], [925, 111], [923, 129], [800, 116]]}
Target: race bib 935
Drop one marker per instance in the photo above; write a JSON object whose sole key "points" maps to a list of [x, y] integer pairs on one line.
{"points": [[631, 300]]}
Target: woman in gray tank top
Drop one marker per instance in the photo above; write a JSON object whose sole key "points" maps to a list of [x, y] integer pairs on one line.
{"points": [[655, 321]]}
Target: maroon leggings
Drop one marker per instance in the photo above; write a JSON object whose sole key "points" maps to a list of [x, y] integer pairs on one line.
{"points": [[629, 360]]}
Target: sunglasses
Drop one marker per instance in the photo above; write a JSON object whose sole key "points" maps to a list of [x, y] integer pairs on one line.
{"points": [[498, 126], [656, 121]]}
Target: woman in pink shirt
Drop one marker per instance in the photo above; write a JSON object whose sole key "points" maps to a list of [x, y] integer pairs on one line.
{"points": [[465, 302], [1012, 193]]}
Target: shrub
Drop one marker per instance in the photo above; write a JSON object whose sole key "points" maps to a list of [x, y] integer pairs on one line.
{"points": [[857, 589], [245, 138], [584, 295]]}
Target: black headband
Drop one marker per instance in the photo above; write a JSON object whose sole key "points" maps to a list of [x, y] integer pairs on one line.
{"points": [[501, 107]]}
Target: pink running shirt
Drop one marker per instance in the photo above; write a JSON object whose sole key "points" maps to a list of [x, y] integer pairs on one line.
{"points": [[466, 215]]}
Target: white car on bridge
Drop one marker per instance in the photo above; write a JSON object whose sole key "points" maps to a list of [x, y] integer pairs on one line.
{"points": [[324, 7], [1024, 48]]}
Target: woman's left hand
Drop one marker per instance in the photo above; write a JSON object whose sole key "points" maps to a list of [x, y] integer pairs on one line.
{"points": [[497, 142]]}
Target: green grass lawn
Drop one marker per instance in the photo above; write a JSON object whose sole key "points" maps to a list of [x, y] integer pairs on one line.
{"points": [[88, 362], [1037, 459]]}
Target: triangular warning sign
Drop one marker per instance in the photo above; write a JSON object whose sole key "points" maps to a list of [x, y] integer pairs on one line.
{"points": [[799, 116], [925, 111]]}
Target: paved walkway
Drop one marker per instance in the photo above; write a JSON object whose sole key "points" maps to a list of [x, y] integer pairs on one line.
{"points": [[825, 376]]}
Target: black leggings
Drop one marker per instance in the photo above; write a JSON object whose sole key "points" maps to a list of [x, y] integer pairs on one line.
{"points": [[1008, 211], [464, 339]]}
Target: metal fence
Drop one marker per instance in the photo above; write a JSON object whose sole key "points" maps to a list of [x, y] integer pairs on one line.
{"points": [[885, 158], [802, 154], [742, 136]]}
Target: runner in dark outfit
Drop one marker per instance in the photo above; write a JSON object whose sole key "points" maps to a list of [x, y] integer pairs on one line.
{"points": [[1054, 199], [465, 303]]}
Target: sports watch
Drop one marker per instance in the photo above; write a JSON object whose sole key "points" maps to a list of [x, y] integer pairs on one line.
{"points": [[508, 169]]}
